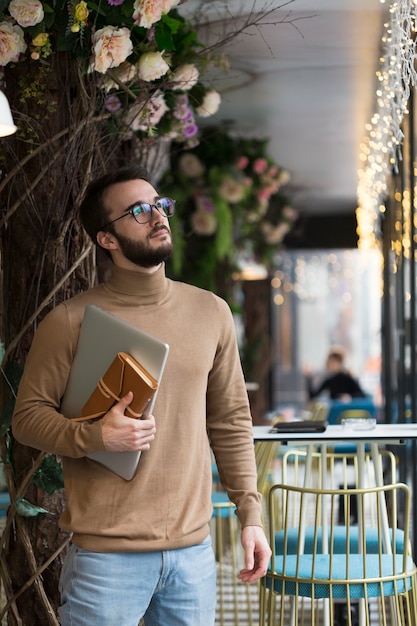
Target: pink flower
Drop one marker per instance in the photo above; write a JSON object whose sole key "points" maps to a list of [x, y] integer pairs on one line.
{"points": [[12, 43], [26, 12], [168, 4], [242, 162], [259, 165], [144, 115], [264, 194], [147, 12], [152, 66], [111, 46]]}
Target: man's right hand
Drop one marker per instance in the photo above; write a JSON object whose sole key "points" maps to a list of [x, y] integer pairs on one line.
{"points": [[126, 434]]}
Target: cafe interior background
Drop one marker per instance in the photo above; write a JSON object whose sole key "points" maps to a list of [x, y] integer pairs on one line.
{"points": [[319, 86], [325, 89], [333, 90]]}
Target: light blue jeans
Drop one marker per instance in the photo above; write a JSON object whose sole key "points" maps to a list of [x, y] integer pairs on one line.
{"points": [[169, 588]]}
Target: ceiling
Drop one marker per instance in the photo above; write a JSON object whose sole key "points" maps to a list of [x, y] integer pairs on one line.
{"points": [[308, 83]]}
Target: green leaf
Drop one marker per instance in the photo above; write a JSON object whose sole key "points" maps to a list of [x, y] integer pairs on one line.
{"points": [[163, 37], [26, 509], [173, 23], [224, 234], [49, 476]]}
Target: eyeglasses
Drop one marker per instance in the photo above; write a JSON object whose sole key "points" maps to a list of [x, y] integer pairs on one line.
{"points": [[142, 211]]}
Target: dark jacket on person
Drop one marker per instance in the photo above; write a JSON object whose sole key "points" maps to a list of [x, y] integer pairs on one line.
{"points": [[337, 385]]}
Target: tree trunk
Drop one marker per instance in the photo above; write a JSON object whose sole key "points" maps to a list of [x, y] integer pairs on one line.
{"points": [[46, 258]]}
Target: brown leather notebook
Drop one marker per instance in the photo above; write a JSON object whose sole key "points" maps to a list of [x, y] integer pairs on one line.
{"points": [[124, 374]]}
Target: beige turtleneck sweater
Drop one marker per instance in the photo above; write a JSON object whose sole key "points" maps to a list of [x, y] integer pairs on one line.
{"points": [[202, 400]]}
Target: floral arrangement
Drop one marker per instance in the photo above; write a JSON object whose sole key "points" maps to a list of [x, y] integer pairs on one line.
{"points": [[145, 58], [230, 205]]}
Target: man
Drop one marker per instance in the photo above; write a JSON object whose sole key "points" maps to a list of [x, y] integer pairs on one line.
{"points": [[142, 547]]}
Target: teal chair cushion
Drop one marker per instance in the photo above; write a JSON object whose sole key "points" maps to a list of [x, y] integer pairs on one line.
{"points": [[4, 503], [339, 540], [291, 581]]}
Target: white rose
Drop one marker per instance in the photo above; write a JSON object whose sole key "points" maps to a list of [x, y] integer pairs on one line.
{"points": [[185, 77], [231, 190], [12, 42], [210, 104], [125, 73], [289, 213], [190, 165], [26, 12], [203, 222], [152, 66], [284, 177], [274, 234], [111, 46]]}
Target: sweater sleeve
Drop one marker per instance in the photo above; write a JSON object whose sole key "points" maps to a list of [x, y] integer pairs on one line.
{"points": [[37, 421], [229, 424]]}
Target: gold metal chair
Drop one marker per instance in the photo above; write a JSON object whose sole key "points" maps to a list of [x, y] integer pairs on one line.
{"points": [[266, 452], [341, 468], [308, 576], [319, 411]]}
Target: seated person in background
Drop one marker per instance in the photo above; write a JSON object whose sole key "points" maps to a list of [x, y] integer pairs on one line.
{"points": [[339, 384]]}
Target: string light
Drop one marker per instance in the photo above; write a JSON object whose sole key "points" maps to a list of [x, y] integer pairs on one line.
{"points": [[381, 148]]}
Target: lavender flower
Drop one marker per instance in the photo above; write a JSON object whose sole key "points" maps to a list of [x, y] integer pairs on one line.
{"points": [[112, 104], [190, 130]]}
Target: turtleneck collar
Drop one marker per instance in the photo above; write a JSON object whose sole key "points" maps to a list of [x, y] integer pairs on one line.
{"points": [[151, 287]]}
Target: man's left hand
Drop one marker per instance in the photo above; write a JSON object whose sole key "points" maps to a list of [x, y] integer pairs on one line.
{"points": [[257, 554]]}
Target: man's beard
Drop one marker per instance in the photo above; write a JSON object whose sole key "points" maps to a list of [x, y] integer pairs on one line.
{"points": [[139, 252]]}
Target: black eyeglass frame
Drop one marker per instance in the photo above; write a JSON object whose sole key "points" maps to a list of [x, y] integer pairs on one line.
{"points": [[134, 210]]}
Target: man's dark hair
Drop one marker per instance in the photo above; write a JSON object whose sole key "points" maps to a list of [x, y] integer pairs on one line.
{"points": [[92, 213]]}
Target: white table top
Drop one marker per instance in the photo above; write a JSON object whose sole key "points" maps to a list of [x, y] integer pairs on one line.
{"points": [[383, 433]]}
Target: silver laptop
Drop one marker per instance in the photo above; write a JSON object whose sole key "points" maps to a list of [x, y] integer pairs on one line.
{"points": [[102, 336]]}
